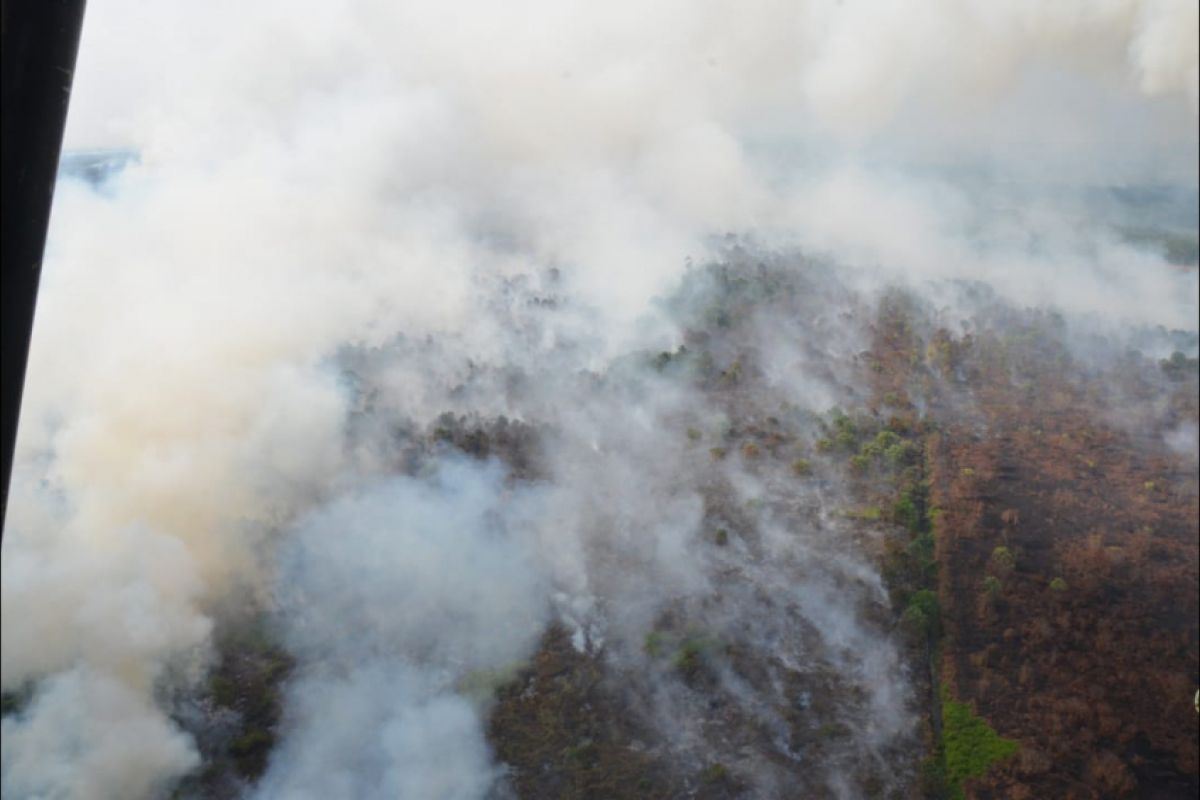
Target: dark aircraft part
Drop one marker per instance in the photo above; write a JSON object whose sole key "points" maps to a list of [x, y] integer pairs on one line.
{"points": [[39, 40]]}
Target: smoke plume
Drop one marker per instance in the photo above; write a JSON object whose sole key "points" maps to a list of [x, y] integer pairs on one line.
{"points": [[348, 219]]}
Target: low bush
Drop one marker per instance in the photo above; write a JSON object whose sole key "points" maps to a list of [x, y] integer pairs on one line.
{"points": [[970, 745]]}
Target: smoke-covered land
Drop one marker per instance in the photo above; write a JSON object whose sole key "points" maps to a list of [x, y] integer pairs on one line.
{"points": [[542, 400]]}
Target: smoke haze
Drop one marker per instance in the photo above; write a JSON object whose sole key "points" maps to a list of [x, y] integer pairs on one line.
{"points": [[348, 219]]}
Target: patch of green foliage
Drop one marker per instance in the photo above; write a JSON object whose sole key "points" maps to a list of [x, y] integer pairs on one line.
{"points": [[923, 613], [845, 432], [802, 467], [690, 655], [921, 551], [882, 441], [251, 742], [1058, 585], [914, 568], [889, 447], [870, 513], [694, 434], [714, 773], [1003, 559], [901, 453], [904, 512], [249, 680], [721, 537], [969, 744], [251, 750], [992, 586], [909, 508], [688, 650]]}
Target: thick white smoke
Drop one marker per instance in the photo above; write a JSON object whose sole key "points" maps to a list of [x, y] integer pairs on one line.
{"points": [[89, 735], [379, 730], [389, 597], [873, 58], [322, 175]]}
